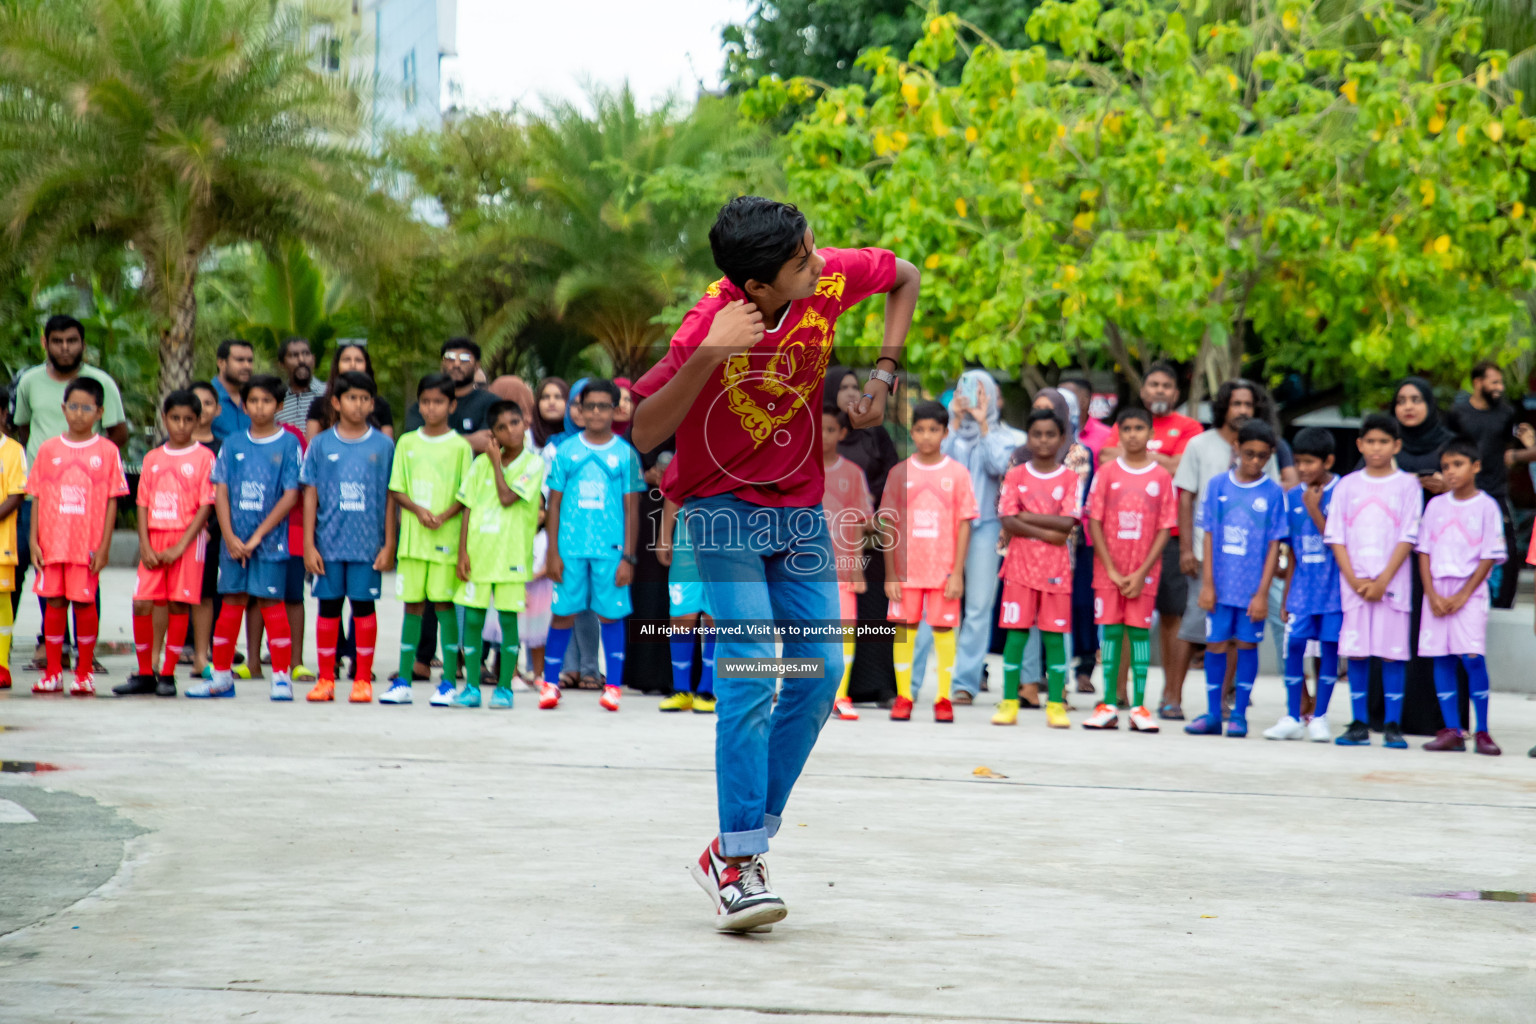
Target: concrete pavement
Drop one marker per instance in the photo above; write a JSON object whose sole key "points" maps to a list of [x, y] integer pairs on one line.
{"points": [[292, 863]]}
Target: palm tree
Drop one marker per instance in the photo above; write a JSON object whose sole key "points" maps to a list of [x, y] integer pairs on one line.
{"points": [[172, 127]]}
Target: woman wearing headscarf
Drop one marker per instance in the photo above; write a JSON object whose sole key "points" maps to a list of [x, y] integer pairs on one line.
{"points": [[979, 440], [625, 408]]}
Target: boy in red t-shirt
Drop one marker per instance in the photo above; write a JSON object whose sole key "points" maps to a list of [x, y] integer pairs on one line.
{"points": [[846, 504], [175, 500], [75, 483], [1038, 505], [929, 504], [1135, 496]]}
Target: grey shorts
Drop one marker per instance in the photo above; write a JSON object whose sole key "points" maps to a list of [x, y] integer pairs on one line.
{"points": [[1192, 629], [1172, 587]]}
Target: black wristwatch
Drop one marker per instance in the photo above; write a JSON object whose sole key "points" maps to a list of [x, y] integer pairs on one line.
{"points": [[628, 558]]}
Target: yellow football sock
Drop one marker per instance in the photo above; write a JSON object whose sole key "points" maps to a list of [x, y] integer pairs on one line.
{"points": [[906, 644], [944, 654], [6, 621], [842, 687]]}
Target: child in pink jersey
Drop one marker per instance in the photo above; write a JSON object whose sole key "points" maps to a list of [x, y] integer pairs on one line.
{"points": [[1461, 539], [1372, 527], [929, 503]]}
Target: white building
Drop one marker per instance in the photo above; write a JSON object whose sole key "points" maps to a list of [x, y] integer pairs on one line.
{"points": [[400, 47]]}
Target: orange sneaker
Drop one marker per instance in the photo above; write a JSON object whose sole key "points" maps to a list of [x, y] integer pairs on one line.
{"points": [[549, 696], [5, 677], [362, 692], [901, 709], [610, 698], [943, 711], [843, 708], [323, 690]]}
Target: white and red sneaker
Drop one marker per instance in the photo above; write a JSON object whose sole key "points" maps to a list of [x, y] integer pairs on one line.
{"points": [[83, 686], [49, 684], [743, 901], [609, 700], [1142, 720], [843, 708], [1105, 716], [549, 696]]}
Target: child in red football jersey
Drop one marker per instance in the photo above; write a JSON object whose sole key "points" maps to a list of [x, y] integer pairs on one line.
{"points": [[1132, 510], [929, 504], [175, 500], [1038, 505], [75, 483]]}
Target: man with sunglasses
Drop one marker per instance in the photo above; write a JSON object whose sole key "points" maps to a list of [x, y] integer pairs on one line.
{"points": [[461, 361]]}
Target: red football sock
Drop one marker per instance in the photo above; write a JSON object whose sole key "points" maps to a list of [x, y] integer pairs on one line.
{"points": [[175, 640], [279, 637], [144, 643], [55, 622], [327, 633], [225, 632], [86, 625], [367, 628]]}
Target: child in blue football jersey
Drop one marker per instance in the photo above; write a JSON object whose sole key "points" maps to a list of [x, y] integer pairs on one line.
{"points": [[1312, 603], [592, 520], [256, 484], [1243, 517], [349, 533]]}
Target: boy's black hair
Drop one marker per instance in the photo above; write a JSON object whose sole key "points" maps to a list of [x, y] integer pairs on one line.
{"points": [[1461, 445], [58, 323], [1080, 382], [754, 237], [182, 398], [1134, 412], [603, 386], [838, 413], [439, 382], [930, 411], [1040, 416], [1314, 441], [1382, 422], [91, 386], [458, 344], [499, 409], [228, 345], [353, 381], [1256, 430], [204, 384], [265, 382]]}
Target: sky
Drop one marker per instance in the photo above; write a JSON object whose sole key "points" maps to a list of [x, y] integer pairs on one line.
{"points": [[517, 51]]}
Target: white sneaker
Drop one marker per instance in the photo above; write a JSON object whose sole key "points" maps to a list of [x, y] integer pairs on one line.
{"points": [[399, 692], [1105, 716], [1287, 728], [282, 689], [442, 697], [1318, 731]]}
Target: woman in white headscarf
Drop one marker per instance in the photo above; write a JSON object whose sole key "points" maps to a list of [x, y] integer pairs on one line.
{"points": [[979, 440]]}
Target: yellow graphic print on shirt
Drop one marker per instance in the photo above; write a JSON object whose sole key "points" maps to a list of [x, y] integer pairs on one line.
{"points": [[808, 345]]}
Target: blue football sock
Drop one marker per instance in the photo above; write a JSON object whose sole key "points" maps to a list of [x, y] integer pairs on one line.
{"points": [[1359, 687], [707, 676], [1215, 676], [1477, 685], [1247, 672], [554, 652], [1394, 683], [1327, 676], [1295, 676], [613, 651], [1447, 690], [682, 660]]}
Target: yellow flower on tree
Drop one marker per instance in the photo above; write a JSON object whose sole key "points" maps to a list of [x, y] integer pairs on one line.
{"points": [[932, 262], [1350, 90], [961, 208]]}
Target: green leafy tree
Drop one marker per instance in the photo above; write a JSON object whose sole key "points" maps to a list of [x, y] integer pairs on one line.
{"points": [[174, 127], [1243, 191]]}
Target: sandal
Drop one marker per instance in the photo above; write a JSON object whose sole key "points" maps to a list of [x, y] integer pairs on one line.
{"points": [[1170, 713], [589, 683], [1085, 685]]}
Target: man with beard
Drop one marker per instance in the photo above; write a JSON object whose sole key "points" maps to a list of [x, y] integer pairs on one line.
{"points": [[1487, 419], [298, 363], [461, 361], [1172, 432], [39, 417], [234, 360]]}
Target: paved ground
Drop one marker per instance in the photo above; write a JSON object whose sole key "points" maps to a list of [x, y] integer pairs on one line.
{"points": [[289, 863]]}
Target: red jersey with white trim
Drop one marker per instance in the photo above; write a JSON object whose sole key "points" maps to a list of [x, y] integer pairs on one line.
{"points": [[846, 504], [1133, 504], [1034, 563], [174, 484], [926, 505], [71, 483]]}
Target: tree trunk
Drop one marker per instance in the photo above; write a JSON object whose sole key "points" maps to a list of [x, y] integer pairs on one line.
{"points": [[176, 353]]}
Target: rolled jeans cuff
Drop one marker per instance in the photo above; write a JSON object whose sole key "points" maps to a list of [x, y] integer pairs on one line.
{"points": [[747, 844], [771, 823]]}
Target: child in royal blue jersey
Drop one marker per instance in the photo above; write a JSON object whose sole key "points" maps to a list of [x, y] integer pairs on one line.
{"points": [[1243, 517], [592, 521], [1312, 603], [349, 535]]}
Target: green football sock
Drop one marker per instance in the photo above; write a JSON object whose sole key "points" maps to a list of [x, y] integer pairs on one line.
{"points": [[1013, 661], [474, 645], [1055, 645], [508, 648], [1141, 656], [410, 636], [448, 627], [1112, 655]]}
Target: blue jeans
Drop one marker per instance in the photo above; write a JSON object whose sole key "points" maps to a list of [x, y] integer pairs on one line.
{"points": [[981, 565], [762, 565]]}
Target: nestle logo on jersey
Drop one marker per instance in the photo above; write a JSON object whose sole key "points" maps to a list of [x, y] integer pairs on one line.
{"points": [[354, 497]]}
